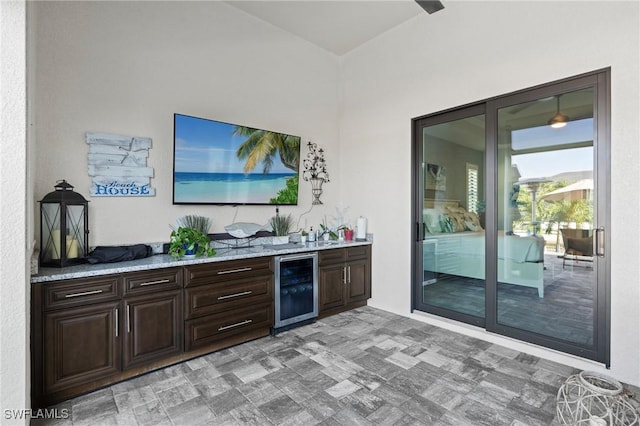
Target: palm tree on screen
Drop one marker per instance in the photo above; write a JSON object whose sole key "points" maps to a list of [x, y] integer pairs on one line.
{"points": [[262, 146]]}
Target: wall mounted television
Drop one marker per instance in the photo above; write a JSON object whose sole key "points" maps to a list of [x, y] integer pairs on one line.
{"points": [[227, 164]]}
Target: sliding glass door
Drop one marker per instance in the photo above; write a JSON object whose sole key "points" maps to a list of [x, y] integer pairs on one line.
{"points": [[511, 213], [452, 179]]}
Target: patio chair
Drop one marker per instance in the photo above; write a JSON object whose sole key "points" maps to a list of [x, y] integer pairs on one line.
{"points": [[578, 246]]}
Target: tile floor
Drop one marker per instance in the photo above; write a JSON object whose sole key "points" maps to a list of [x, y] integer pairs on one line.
{"points": [[363, 367]]}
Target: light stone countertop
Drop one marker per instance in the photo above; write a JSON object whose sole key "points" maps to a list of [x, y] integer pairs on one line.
{"points": [[166, 261]]}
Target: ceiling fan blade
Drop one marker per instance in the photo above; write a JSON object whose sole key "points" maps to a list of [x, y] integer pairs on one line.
{"points": [[430, 6]]}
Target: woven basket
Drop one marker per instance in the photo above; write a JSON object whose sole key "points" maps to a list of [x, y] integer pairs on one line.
{"points": [[593, 399]]}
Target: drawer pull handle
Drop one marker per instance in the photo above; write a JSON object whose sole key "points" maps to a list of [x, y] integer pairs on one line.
{"points": [[229, 296], [86, 293], [233, 271], [154, 282], [238, 324], [116, 321]]}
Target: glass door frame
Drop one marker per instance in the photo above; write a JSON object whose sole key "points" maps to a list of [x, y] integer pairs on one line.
{"points": [[418, 189], [600, 81]]}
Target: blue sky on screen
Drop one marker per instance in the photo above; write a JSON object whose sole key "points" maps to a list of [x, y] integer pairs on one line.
{"points": [[209, 146]]}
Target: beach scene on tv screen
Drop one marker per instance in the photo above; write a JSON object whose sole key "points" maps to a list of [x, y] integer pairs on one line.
{"points": [[222, 163]]}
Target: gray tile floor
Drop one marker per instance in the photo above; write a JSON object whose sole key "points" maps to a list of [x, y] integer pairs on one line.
{"points": [[363, 367]]}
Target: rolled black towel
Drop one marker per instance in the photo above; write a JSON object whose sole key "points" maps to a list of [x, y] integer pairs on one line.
{"points": [[111, 254]]}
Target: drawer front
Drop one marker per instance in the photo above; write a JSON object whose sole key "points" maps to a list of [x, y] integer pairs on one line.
{"points": [[152, 281], [358, 252], [207, 330], [204, 300], [226, 271], [331, 256], [78, 292]]}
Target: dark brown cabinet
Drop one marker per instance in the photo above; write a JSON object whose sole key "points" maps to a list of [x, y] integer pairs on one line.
{"points": [[81, 345], [75, 335], [229, 303], [87, 333], [344, 279], [152, 310]]}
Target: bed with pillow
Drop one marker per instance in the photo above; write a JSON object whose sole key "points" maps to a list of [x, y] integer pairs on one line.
{"points": [[457, 241]]}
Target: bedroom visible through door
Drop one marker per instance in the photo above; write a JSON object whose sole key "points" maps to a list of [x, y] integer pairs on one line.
{"points": [[511, 215]]}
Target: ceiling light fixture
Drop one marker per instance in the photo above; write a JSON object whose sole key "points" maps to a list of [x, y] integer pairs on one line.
{"points": [[559, 120], [430, 6]]}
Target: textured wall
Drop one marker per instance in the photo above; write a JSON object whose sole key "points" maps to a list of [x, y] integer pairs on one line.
{"points": [[471, 51], [14, 297], [127, 67]]}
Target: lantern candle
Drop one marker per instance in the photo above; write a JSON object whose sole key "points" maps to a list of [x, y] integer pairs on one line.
{"points": [[55, 248], [72, 248]]}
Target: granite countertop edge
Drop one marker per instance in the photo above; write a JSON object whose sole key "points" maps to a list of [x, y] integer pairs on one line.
{"points": [[166, 261]]}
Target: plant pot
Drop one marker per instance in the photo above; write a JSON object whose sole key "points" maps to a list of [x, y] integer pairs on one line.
{"points": [[348, 234], [190, 253], [284, 239]]}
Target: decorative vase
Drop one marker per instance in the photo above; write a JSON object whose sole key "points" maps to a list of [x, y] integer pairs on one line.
{"points": [[282, 239], [316, 190], [348, 234]]}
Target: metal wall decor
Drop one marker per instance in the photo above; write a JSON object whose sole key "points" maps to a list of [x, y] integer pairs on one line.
{"points": [[315, 170]]}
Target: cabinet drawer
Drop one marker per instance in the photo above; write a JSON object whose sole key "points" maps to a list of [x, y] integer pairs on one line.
{"points": [[358, 252], [214, 328], [204, 300], [64, 294], [331, 256], [226, 271], [152, 281]]}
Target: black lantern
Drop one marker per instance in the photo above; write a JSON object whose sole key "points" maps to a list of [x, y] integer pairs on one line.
{"points": [[64, 227]]}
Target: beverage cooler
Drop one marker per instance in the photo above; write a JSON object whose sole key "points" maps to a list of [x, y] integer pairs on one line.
{"points": [[296, 290]]}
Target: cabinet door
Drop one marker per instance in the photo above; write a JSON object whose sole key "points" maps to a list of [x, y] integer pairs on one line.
{"points": [[359, 281], [152, 327], [81, 345], [331, 284]]}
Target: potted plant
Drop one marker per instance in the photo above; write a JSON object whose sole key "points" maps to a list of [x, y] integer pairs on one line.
{"points": [[281, 226], [327, 233], [190, 237], [189, 242], [348, 232]]}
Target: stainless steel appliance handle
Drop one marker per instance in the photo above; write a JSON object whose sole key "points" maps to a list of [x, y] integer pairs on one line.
{"points": [[295, 257], [599, 241]]}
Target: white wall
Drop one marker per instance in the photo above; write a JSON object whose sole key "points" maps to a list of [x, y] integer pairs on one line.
{"points": [[126, 67], [472, 51], [14, 242]]}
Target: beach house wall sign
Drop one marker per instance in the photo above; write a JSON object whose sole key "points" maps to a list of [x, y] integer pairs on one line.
{"points": [[118, 166]]}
